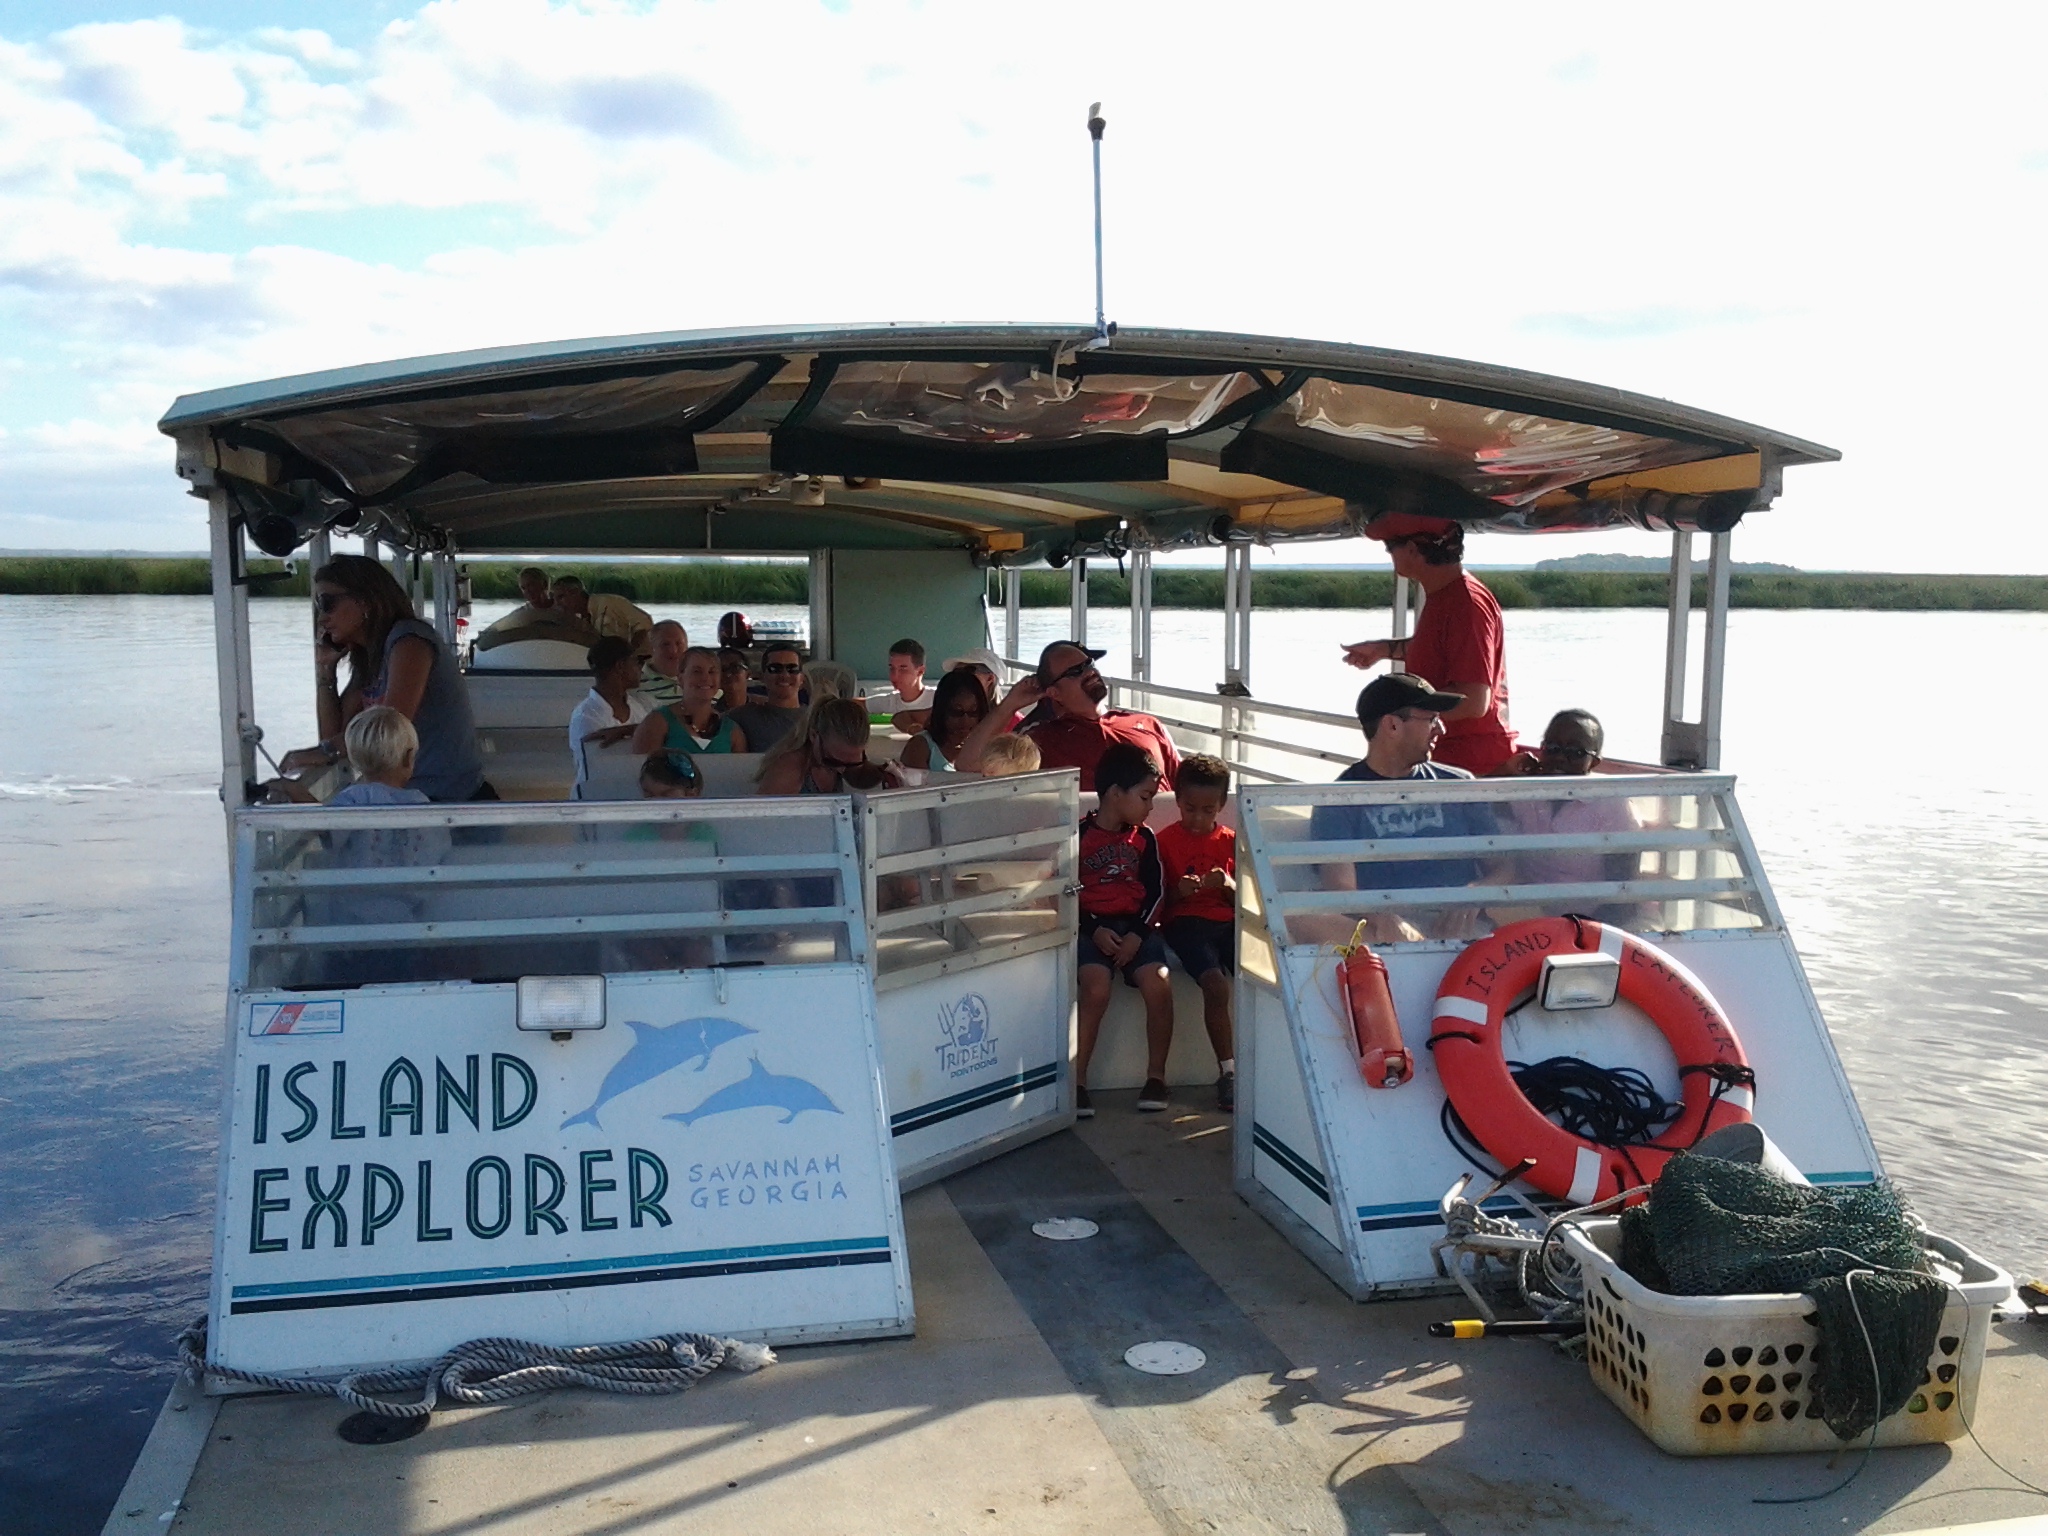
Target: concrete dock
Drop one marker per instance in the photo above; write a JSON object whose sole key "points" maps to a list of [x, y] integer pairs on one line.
{"points": [[1012, 1408]]}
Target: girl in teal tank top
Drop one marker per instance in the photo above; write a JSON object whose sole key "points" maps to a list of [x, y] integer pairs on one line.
{"points": [[691, 727]]}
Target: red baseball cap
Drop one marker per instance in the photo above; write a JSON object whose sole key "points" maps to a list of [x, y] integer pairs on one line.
{"points": [[1407, 525]]}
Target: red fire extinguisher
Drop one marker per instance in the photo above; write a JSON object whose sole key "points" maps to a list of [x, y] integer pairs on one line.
{"points": [[1383, 1061]]}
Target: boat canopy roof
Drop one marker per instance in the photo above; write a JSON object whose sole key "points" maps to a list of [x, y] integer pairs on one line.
{"points": [[1018, 442]]}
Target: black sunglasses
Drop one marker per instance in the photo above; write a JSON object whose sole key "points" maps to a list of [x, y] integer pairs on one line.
{"points": [[783, 668], [326, 600], [1074, 671]]}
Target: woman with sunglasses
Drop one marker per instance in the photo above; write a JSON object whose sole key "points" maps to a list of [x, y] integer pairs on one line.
{"points": [[958, 706], [361, 613], [827, 755]]}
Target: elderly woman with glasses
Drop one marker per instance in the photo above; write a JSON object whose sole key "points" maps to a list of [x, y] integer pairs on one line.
{"points": [[361, 614], [1572, 744]]}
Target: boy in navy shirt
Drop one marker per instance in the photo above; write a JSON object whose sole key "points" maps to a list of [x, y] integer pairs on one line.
{"points": [[1121, 886]]}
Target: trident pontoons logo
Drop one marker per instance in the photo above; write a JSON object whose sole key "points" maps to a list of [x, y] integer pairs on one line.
{"points": [[970, 1043]]}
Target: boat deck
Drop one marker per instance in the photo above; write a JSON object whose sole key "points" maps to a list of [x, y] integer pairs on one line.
{"points": [[1012, 1408]]}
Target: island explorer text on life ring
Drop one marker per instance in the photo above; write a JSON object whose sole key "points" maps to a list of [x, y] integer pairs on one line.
{"points": [[1497, 973]]}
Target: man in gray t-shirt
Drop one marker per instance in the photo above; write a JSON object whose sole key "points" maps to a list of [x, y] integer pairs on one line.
{"points": [[767, 722], [1401, 715]]}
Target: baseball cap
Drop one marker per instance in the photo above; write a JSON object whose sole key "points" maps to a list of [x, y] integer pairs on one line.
{"points": [[1403, 690], [1406, 525], [1044, 675]]}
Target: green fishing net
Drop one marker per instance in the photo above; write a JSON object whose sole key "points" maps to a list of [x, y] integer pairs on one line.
{"points": [[1716, 1228]]}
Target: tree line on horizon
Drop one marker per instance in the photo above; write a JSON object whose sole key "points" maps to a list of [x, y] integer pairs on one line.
{"points": [[737, 582]]}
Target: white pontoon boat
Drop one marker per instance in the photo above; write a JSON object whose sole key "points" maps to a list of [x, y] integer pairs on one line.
{"points": [[800, 1070]]}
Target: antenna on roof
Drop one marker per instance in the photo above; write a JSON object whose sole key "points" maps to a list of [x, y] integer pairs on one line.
{"points": [[1096, 124]]}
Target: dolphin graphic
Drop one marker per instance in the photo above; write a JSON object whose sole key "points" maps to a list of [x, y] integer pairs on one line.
{"points": [[761, 1089], [656, 1050]]}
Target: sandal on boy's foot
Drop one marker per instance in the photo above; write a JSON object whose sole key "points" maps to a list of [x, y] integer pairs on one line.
{"points": [[1226, 1093], [1083, 1110], [1153, 1095]]}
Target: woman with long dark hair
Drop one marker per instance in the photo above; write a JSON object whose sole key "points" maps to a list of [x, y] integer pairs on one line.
{"points": [[958, 706], [394, 658]]}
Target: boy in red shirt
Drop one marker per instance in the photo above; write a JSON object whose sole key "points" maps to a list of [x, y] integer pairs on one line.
{"points": [[1199, 860], [1121, 886]]}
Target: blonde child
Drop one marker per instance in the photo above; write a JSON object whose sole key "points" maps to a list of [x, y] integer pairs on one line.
{"points": [[1007, 755]]}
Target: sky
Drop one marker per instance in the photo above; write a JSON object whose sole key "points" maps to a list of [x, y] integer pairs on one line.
{"points": [[1825, 219]]}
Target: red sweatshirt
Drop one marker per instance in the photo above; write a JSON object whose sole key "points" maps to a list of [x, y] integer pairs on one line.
{"points": [[1120, 874], [1183, 853]]}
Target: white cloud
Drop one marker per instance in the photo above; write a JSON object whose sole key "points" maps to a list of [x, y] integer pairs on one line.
{"points": [[1827, 226]]}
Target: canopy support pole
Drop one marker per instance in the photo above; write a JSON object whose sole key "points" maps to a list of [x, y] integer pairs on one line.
{"points": [[231, 651], [1687, 743], [1404, 609], [444, 596], [1718, 573], [1237, 621], [1674, 749], [1077, 601], [823, 643], [1013, 611], [1141, 615], [319, 550]]}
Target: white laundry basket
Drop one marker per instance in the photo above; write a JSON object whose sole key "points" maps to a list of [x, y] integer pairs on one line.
{"points": [[1731, 1375]]}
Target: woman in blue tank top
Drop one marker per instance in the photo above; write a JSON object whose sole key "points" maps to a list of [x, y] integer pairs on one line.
{"points": [[395, 659]]}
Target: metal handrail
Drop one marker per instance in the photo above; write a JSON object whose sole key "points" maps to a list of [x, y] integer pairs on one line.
{"points": [[1284, 902], [1256, 706], [1228, 732]]}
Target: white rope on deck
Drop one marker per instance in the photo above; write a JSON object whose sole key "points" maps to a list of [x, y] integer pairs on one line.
{"points": [[498, 1370]]}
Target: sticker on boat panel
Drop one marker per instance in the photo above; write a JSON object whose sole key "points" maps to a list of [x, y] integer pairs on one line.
{"points": [[970, 1037], [761, 1089], [658, 1049], [321, 1018]]}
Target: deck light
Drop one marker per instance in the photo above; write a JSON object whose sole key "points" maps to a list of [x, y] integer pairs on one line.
{"points": [[1579, 981], [555, 1005]]}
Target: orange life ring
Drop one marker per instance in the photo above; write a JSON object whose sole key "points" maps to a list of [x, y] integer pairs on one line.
{"points": [[1500, 970]]}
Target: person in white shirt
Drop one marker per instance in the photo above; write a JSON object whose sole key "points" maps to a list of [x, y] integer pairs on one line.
{"points": [[907, 688], [607, 716]]}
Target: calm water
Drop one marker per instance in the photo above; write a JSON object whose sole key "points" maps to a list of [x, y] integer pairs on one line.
{"points": [[1897, 810]]}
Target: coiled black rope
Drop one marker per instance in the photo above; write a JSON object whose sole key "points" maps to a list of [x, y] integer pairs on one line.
{"points": [[1615, 1107]]}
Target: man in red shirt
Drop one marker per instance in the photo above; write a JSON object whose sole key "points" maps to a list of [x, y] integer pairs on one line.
{"points": [[1458, 639], [1080, 727]]}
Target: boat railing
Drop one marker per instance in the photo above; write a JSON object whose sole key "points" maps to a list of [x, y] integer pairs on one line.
{"points": [[330, 897], [1421, 860], [1229, 727], [963, 874]]}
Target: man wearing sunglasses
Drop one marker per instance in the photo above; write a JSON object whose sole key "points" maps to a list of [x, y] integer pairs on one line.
{"points": [[1080, 728], [766, 721], [1402, 717], [1458, 637]]}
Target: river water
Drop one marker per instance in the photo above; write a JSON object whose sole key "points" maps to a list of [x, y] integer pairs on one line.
{"points": [[1894, 796]]}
